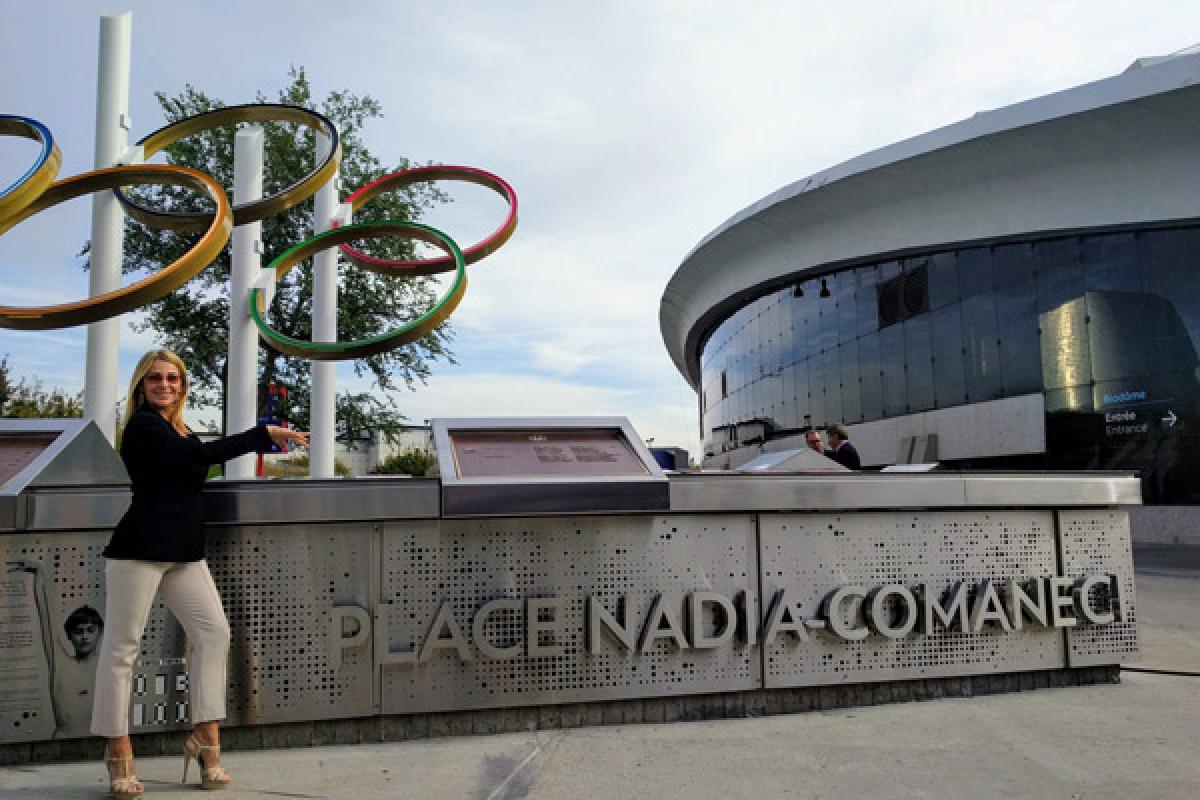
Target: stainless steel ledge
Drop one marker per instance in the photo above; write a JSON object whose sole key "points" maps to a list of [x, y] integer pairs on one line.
{"points": [[259, 502], [732, 492], [74, 508]]}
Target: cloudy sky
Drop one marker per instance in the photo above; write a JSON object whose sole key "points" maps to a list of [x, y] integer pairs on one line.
{"points": [[629, 129]]}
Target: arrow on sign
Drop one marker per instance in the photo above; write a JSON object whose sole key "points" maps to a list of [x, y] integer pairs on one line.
{"points": [[1170, 418]]}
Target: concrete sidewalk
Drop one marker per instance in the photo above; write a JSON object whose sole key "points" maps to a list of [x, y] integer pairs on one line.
{"points": [[1137, 739]]}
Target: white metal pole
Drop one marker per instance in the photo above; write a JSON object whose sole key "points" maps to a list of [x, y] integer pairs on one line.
{"points": [[324, 321], [108, 231], [241, 396]]}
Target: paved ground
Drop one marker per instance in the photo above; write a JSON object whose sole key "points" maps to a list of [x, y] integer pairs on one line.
{"points": [[1133, 740]]}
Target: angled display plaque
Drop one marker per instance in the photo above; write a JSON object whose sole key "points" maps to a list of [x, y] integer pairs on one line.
{"points": [[531, 465]]}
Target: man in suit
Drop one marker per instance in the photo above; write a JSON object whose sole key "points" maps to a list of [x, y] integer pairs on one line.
{"points": [[840, 449]]}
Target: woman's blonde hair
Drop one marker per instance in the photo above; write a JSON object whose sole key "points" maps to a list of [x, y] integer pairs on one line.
{"points": [[136, 397]]}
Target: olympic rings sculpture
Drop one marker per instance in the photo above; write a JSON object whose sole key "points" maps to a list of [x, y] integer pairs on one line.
{"points": [[432, 266], [361, 348], [36, 190]]}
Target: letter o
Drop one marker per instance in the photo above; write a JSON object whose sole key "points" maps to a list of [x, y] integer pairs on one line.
{"points": [[878, 618]]}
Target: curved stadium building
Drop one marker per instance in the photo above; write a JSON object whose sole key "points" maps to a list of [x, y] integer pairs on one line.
{"points": [[1019, 289]]}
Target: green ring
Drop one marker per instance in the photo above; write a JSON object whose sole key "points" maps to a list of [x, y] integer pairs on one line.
{"points": [[371, 345]]}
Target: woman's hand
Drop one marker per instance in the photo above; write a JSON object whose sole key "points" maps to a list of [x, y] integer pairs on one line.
{"points": [[285, 436]]}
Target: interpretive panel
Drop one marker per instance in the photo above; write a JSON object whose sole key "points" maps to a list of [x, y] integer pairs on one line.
{"points": [[26, 707], [17, 451], [517, 454], [822, 574], [510, 612]]}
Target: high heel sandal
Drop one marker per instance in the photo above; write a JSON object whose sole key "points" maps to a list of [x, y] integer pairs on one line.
{"points": [[126, 787], [210, 777]]}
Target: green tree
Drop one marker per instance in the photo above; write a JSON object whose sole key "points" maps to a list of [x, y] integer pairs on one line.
{"points": [[26, 399], [193, 321]]}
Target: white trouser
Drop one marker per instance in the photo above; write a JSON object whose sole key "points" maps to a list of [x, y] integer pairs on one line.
{"points": [[190, 594]]}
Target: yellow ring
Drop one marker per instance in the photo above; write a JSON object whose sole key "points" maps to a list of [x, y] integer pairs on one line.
{"points": [[27, 191], [147, 290], [247, 212]]}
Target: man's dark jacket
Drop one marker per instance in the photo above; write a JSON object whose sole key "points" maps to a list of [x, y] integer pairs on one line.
{"points": [[846, 455]]}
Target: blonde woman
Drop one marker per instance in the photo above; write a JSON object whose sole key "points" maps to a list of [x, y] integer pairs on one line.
{"points": [[158, 548]]}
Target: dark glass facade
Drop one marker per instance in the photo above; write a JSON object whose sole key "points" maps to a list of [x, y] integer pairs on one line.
{"points": [[1104, 325]]}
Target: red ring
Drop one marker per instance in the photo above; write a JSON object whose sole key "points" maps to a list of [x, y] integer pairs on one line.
{"points": [[432, 266]]}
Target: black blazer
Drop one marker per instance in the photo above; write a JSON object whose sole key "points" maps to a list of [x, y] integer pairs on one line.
{"points": [[165, 521]]}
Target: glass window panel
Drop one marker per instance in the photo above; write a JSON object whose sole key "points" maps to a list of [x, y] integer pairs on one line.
{"points": [[826, 325], [771, 349], [943, 280], [974, 271], [816, 390], [786, 414], [872, 382], [918, 355], [1013, 263], [982, 357], [1169, 258], [833, 386], [914, 292], [1017, 326], [891, 362], [791, 344], [865, 312], [758, 346], [888, 270], [1110, 263], [773, 385], [949, 380], [1120, 334], [851, 382], [804, 320], [1059, 273], [1170, 264], [847, 307], [1066, 355], [787, 328], [801, 388]]}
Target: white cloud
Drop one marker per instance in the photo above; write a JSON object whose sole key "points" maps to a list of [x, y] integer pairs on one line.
{"points": [[629, 129]]}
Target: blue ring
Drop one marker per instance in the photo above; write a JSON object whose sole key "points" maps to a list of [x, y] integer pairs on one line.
{"points": [[47, 148]]}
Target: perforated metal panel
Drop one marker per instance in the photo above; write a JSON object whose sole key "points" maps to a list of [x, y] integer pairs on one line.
{"points": [[1097, 543], [279, 585], [816, 553], [469, 563]]}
